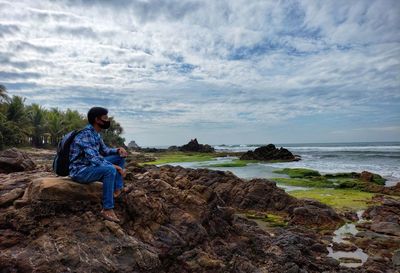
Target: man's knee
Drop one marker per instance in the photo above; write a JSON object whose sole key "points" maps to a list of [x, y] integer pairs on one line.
{"points": [[109, 170], [120, 161]]}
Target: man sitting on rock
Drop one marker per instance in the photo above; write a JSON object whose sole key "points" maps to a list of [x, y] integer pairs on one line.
{"points": [[91, 160]]}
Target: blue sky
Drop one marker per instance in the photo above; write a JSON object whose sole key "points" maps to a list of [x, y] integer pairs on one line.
{"points": [[222, 71]]}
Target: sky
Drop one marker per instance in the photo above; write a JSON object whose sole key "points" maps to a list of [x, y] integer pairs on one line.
{"points": [[226, 72]]}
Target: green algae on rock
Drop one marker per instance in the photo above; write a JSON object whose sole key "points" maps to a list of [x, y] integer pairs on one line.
{"points": [[340, 199], [298, 172]]}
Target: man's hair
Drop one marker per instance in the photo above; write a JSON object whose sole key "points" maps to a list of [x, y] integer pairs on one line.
{"points": [[95, 112]]}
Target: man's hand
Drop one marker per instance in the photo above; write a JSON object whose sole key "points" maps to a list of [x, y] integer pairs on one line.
{"points": [[122, 152], [120, 170]]}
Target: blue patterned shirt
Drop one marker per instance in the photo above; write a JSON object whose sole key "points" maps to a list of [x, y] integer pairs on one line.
{"points": [[88, 149]]}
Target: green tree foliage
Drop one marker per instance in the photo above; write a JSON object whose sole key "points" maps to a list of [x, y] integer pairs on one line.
{"points": [[33, 125]]}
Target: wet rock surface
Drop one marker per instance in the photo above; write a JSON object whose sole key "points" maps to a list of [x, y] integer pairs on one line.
{"points": [[269, 152], [379, 235], [172, 220]]}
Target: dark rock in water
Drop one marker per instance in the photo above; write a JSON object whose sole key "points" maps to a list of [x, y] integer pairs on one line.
{"points": [[269, 152], [343, 247], [193, 146], [14, 160]]}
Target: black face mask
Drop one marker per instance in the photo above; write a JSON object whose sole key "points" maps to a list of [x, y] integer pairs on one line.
{"points": [[106, 124]]}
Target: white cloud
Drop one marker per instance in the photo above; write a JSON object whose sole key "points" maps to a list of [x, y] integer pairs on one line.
{"points": [[180, 63]]}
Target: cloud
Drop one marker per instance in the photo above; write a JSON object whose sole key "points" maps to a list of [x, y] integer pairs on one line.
{"points": [[201, 66]]}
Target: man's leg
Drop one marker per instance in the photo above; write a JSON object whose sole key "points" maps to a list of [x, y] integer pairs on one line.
{"points": [[105, 174], [120, 161]]}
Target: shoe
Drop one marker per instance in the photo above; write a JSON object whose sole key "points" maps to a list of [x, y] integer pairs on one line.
{"points": [[109, 214]]}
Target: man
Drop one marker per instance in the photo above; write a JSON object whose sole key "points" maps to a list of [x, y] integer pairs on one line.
{"points": [[91, 160]]}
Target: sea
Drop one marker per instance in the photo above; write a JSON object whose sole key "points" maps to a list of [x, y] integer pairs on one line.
{"points": [[378, 157]]}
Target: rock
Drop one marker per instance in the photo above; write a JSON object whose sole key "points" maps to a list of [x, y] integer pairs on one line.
{"points": [[136, 157], [9, 197], [269, 152], [343, 247], [172, 220], [350, 260], [386, 228], [396, 259], [133, 146], [372, 177], [193, 146], [315, 214], [62, 189], [388, 211], [14, 160]]}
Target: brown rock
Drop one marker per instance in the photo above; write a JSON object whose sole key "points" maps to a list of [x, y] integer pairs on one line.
{"points": [[386, 228], [62, 189], [14, 160], [315, 214], [344, 247], [9, 197]]}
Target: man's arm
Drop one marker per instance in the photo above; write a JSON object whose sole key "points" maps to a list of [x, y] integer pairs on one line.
{"points": [[105, 150], [87, 143]]}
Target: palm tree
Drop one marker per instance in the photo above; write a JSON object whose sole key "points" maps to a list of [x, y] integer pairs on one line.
{"points": [[17, 119], [36, 115], [72, 120], [3, 93], [55, 126]]}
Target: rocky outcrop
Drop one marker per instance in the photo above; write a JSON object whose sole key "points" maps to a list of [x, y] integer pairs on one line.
{"points": [[172, 220], [193, 146], [133, 146], [269, 152], [14, 160]]}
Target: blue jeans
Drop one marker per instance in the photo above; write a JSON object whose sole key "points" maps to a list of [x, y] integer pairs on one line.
{"points": [[112, 180]]}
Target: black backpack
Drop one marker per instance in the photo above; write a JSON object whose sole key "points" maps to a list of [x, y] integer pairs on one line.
{"points": [[61, 160]]}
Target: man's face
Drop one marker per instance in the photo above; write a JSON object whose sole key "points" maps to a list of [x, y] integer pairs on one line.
{"points": [[104, 118], [103, 121]]}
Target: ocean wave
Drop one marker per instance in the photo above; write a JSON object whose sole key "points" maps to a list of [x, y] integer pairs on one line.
{"points": [[317, 148]]}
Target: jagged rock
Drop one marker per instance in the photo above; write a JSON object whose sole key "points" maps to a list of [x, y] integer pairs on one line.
{"points": [[193, 146], [269, 152], [14, 160]]}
